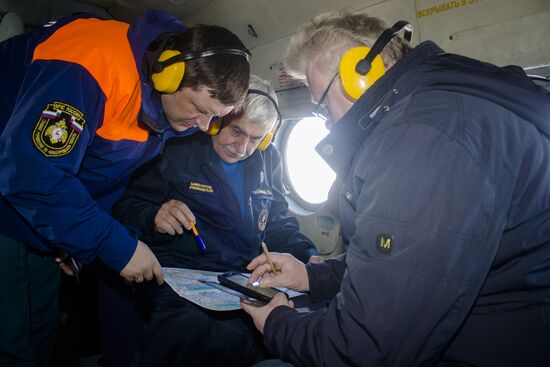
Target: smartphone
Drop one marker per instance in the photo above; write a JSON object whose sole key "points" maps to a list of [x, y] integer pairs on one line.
{"points": [[239, 282]]}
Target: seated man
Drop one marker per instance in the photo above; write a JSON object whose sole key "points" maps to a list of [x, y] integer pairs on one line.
{"points": [[233, 192]]}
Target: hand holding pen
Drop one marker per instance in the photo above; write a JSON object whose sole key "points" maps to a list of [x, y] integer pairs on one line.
{"points": [[266, 253], [173, 218], [284, 271]]}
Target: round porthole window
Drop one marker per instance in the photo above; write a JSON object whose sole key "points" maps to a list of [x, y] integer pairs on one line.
{"points": [[307, 174]]}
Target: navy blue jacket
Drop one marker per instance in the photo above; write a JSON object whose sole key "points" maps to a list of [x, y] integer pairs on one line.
{"points": [[445, 164], [190, 171], [77, 117]]}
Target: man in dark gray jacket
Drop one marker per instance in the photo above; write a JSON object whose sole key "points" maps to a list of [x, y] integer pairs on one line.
{"points": [[445, 204]]}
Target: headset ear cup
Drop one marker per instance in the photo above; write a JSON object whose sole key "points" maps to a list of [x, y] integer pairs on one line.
{"points": [[353, 83], [267, 139], [215, 127], [169, 78]]}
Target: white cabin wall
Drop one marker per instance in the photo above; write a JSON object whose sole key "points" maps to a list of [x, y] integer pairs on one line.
{"points": [[498, 31]]}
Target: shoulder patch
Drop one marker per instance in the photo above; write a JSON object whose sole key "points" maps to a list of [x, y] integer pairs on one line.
{"points": [[384, 243], [58, 129]]}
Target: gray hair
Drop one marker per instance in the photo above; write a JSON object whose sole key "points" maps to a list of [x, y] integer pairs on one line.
{"points": [[328, 36], [259, 109]]}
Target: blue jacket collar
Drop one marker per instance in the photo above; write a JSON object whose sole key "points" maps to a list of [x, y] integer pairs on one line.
{"points": [[148, 27]]}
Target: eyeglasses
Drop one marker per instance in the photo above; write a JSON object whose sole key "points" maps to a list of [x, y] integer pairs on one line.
{"points": [[321, 109]]}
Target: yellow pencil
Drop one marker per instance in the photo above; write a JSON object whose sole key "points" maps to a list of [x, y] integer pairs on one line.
{"points": [[266, 253]]}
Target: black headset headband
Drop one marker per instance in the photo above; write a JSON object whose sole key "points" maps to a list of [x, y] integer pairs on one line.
{"points": [[364, 65], [262, 93], [160, 65]]}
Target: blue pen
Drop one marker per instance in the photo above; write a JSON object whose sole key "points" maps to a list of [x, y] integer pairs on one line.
{"points": [[197, 236]]}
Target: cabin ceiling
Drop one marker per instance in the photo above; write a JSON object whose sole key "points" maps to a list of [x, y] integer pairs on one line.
{"points": [[270, 19]]}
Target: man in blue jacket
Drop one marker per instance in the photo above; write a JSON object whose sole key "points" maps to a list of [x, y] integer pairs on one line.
{"points": [[445, 205], [86, 101], [230, 185]]}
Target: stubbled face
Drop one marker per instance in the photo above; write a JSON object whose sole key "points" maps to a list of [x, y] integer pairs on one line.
{"points": [[238, 138], [336, 101], [188, 108]]}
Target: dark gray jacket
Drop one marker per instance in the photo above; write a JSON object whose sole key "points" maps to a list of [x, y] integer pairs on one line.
{"points": [[445, 164]]}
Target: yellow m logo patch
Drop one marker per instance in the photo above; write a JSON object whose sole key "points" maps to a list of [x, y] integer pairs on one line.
{"points": [[384, 243]]}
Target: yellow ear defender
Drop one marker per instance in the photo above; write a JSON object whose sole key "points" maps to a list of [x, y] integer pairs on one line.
{"points": [[360, 67], [216, 125], [168, 71], [268, 138], [353, 83], [168, 79]]}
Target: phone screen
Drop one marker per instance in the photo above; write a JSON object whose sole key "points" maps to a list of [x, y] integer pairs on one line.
{"points": [[242, 281]]}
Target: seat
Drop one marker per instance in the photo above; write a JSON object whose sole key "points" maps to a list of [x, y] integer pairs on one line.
{"points": [[10, 25]]}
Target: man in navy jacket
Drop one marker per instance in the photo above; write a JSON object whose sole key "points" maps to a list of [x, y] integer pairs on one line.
{"points": [[230, 185], [445, 205]]}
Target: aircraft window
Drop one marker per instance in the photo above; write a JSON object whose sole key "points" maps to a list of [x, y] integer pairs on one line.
{"points": [[307, 174]]}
